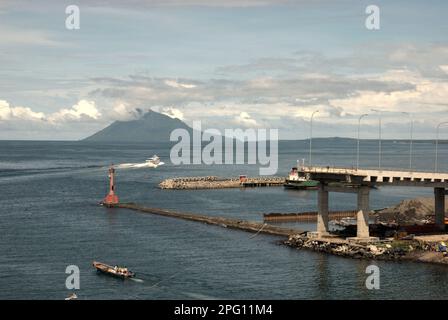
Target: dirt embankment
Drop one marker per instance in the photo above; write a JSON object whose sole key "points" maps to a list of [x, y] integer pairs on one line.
{"points": [[410, 211]]}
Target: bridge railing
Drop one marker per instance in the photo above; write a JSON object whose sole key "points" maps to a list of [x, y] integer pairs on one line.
{"points": [[354, 169]]}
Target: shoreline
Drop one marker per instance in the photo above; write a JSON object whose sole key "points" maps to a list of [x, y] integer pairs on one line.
{"points": [[386, 250]]}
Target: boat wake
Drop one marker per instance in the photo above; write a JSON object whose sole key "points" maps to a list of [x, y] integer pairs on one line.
{"points": [[152, 162], [137, 280], [138, 165]]}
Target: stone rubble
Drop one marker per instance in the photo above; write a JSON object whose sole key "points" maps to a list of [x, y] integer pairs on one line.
{"points": [[212, 182], [381, 250]]}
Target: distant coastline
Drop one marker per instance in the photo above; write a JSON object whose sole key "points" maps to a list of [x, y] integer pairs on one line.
{"points": [[280, 140]]}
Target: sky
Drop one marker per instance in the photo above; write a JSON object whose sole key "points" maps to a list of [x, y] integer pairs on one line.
{"points": [[230, 64]]}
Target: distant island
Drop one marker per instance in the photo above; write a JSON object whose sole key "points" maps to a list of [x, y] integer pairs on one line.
{"points": [[151, 127], [157, 127]]}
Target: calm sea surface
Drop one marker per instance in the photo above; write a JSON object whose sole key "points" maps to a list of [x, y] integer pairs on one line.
{"points": [[49, 219]]}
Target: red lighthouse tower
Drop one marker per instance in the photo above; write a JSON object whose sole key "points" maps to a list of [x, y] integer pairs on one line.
{"points": [[111, 199]]}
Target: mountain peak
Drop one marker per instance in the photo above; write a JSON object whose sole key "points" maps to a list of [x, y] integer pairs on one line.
{"points": [[151, 127]]}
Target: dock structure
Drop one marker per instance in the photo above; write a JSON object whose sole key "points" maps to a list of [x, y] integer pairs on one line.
{"points": [[361, 181], [263, 182]]}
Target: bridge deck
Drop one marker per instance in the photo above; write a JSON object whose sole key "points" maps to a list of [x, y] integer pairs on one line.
{"points": [[377, 177]]}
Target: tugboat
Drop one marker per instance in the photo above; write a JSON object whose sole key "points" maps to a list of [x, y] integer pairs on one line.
{"points": [[296, 181], [115, 271]]}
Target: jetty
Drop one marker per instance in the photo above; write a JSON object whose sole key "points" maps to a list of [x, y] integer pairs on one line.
{"points": [[214, 182], [249, 226]]}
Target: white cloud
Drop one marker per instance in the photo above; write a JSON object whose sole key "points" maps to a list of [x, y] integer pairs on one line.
{"points": [[18, 113], [444, 68], [27, 37], [427, 94], [172, 113], [83, 109], [305, 112], [179, 85], [245, 119], [124, 112]]}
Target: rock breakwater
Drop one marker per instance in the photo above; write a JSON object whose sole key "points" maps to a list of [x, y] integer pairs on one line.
{"points": [[214, 182]]}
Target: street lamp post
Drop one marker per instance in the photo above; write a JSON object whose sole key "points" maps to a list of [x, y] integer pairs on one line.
{"points": [[311, 136], [436, 166], [359, 129], [380, 136]]}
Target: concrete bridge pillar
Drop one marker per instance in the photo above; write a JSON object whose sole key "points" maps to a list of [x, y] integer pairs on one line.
{"points": [[322, 211], [439, 197], [362, 218]]}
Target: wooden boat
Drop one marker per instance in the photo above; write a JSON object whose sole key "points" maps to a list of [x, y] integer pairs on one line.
{"points": [[115, 271], [73, 296]]}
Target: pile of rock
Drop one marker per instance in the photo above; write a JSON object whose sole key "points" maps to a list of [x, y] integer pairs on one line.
{"points": [[382, 251], [213, 182], [207, 182]]}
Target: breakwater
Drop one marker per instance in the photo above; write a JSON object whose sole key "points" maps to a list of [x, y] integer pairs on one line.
{"points": [[244, 225], [214, 182]]}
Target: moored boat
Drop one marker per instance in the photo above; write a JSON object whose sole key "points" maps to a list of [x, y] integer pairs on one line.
{"points": [[297, 181], [115, 271]]}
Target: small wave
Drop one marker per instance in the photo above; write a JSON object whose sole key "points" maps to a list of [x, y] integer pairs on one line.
{"points": [[7, 176], [11, 168], [199, 296]]}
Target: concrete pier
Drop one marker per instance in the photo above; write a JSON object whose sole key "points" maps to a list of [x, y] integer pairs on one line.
{"points": [[322, 211], [363, 210], [439, 198]]}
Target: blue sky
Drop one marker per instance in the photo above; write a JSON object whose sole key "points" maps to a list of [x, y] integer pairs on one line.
{"points": [[252, 63]]}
